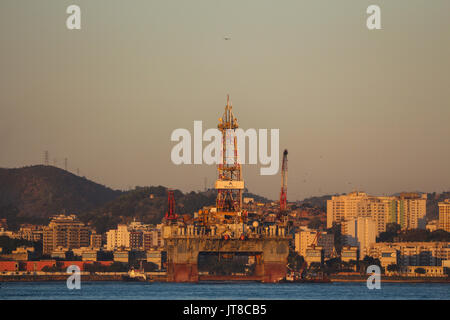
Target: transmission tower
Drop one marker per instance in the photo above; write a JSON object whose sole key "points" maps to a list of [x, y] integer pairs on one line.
{"points": [[46, 157]]}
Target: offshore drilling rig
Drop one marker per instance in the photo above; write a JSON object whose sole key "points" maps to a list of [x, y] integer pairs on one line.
{"points": [[224, 229]]}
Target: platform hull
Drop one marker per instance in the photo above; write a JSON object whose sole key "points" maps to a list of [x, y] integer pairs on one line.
{"points": [[183, 252]]}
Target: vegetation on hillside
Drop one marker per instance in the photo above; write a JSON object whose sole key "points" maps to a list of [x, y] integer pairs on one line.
{"points": [[33, 194], [145, 204], [9, 244], [394, 234]]}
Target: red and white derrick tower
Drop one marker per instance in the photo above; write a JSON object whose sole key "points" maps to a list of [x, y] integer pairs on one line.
{"points": [[229, 184]]}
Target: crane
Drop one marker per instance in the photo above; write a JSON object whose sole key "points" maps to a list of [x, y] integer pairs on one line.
{"points": [[316, 239], [283, 193], [171, 216]]}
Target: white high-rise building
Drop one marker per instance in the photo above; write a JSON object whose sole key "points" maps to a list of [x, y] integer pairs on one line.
{"points": [[118, 238], [360, 232], [408, 209]]}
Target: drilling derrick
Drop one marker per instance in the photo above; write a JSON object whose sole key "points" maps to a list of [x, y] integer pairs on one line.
{"points": [[171, 216], [283, 193], [229, 184]]}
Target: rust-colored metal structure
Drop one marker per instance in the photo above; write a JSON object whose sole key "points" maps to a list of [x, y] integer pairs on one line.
{"points": [[171, 216]]}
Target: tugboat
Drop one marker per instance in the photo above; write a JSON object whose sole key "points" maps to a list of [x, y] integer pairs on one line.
{"points": [[135, 275], [296, 278]]}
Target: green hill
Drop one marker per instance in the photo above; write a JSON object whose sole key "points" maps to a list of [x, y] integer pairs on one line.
{"points": [[33, 194]]}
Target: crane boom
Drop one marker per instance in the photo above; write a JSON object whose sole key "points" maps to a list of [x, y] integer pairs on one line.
{"points": [[283, 193], [170, 214]]}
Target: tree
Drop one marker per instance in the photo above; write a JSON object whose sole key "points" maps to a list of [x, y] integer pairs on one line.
{"points": [[53, 268], [393, 227], [371, 261], [332, 265], [315, 265], [392, 230], [338, 238], [315, 223], [368, 261]]}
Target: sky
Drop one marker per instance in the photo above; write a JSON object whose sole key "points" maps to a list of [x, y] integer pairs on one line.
{"points": [[357, 109]]}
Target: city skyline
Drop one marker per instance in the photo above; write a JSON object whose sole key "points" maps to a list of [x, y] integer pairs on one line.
{"points": [[357, 109]]}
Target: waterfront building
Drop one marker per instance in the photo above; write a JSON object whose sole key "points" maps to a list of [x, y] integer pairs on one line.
{"points": [[430, 271], [9, 266], [31, 232], [407, 209], [136, 240], [157, 257], [349, 253], [360, 232], [65, 231], [444, 215], [61, 253], [20, 254], [122, 256], [95, 240], [412, 209], [153, 238], [314, 255], [305, 238], [432, 225], [413, 253], [135, 236], [89, 255], [118, 238]]}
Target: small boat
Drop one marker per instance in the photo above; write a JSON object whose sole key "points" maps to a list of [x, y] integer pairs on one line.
{"points": [[294, 278], [135, 276]]}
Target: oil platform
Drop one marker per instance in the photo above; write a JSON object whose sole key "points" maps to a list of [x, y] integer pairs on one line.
{"points": [[224, 229]]}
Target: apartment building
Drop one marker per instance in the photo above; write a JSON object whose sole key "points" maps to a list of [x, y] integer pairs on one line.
{"points": [[444, 215], [96, 240], [305, 238], [413, 253], [408, 209], [118, 238], [31, 232], [66, 232], [135, 236], [412, 209], [360, 232]]}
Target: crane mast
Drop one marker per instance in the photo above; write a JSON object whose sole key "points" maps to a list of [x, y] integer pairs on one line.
{"points": [[171, 216], [283, 193]]}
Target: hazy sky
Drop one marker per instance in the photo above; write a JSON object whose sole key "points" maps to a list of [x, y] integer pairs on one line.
{"points": [[357, 109]]}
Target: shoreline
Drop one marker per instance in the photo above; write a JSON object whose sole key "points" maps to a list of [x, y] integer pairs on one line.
{"points": [[119, 278], [393, 279]]}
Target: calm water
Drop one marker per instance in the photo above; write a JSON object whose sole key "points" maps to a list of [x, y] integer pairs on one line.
{"points": [[131, 291]]}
